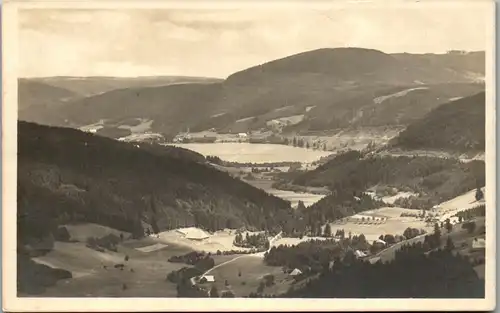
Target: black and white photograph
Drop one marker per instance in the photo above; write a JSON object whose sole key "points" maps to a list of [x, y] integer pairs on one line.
{"points": [[261, 152]]}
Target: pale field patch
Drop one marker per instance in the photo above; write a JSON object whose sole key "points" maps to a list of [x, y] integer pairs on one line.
{"points": [[151, 248], [392, 224]]}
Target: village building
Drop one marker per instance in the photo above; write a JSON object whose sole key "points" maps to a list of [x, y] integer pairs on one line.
{"points": [[295, 272], [379, 242], [207, 279], [193, 233], [478, 244], [359, 254]]}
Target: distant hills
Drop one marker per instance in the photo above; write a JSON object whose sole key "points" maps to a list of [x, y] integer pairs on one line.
{"points": [[325, 88], [457, 126], [68, 176], [88, 86]]}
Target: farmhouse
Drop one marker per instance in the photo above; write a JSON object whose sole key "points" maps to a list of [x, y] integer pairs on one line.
{"points": [[193, 233], [295, 272], [359, 254], [242, 135], [207, 278], [478, 244]]}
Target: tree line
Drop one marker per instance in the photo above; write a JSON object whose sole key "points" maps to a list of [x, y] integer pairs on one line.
{"points": [[412, 274]]}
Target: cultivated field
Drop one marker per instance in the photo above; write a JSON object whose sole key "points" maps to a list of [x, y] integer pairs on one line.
{"points": [[378, 222], [255, 153], [94, 274]]}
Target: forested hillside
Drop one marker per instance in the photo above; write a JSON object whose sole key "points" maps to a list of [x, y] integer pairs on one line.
{"points": [[413, 274], [433, 179], [457, 126], [66, 176]]}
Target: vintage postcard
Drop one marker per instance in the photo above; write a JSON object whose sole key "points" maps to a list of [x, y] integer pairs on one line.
{"points": [[255, 156]]}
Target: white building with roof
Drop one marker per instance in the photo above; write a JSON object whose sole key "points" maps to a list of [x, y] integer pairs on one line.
{"points": [[295, 272], [479, 243], [193, 233]]}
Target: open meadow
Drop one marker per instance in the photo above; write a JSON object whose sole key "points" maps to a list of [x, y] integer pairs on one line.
{"points": [[374, 223], [252, 270]]}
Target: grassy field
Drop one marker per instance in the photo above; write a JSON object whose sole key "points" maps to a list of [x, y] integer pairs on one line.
{"points": [[94, 274], [252, 270], [460, 237]]}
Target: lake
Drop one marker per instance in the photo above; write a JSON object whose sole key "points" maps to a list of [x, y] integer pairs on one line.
{"points": [[255, 153]]}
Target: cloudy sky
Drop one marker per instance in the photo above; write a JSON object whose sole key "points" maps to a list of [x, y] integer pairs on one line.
{"points": [[216, 43]]}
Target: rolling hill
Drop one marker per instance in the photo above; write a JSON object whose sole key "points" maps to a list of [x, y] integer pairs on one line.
{"points": [[34, 93], [68, 176], [89, 86], [331, 88], [457, 126]]}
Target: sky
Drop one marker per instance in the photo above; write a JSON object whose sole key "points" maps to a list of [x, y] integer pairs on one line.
{"points": [[217, 43]]}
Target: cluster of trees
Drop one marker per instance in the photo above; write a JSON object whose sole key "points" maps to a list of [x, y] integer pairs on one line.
{"points": [[303, 143], [108, 242], [412, 274], [232, 252], [413, 232], [309, 256], [314, 255], [415, 214], [339, 204], [190, 258], [183, 275], [478, 211], [470, 226], [258, 241]]}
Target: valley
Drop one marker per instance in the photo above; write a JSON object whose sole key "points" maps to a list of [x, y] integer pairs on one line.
{"points": [[263, 184]]}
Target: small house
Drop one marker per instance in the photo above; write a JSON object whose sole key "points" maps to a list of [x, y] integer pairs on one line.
{"points": [[478, 244], [296, 272], [359, 254], [242, 135], [207, 278], [379, 242], [193, 233]]}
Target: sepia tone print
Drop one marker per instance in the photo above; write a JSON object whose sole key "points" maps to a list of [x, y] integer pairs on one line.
{"points": [[253, 153]]}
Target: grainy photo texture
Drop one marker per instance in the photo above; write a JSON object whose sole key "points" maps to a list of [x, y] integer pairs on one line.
{"points": [[253, 152]]}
